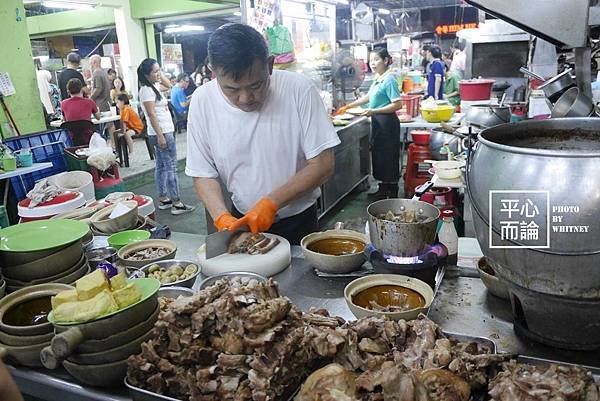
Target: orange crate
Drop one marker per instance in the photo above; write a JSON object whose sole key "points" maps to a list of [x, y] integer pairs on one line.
{"points": [[412, 103]]}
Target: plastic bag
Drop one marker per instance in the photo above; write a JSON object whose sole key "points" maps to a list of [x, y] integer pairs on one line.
{"points": [[280, 40], [101, 155]]}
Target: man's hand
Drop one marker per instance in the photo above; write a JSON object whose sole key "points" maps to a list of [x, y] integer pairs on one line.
{"points": [[259, 218], [367, 113], [162, 141], [225, 221]]}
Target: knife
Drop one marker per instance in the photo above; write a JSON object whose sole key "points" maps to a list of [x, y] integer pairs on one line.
{"points": [[217, 243]]}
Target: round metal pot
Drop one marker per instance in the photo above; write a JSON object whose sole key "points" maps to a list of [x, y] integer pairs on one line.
{"points": [[437, 139], [556, 86], [573, 103], [560, 156], [402, 239], [485, 115], [334, 263]]}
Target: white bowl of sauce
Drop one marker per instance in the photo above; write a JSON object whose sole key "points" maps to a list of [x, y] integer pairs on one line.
{"points": [[391, 295]]}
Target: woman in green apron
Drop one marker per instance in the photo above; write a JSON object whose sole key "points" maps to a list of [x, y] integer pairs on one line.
{"points": [[383, 100]]}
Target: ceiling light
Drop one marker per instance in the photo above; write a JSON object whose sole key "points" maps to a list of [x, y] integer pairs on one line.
{"points": [[171, 26], [184, 28], [68, 5], [384, 11]]}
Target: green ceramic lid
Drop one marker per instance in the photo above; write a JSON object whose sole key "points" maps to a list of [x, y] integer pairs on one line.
{"points": [[148, 287], [41, 235]]}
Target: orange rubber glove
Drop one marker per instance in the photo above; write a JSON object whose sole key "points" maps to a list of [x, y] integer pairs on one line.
{"points": [[224, 221], [341, 110], [259, 218]]}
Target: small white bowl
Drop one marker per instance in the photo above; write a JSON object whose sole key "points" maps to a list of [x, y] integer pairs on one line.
{"points": [[373, 280]]}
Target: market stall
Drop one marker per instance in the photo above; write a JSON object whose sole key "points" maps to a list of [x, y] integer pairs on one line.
{"points": [[462, 305]]}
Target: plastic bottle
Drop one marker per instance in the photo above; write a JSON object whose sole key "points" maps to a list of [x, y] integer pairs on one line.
{"points": [[449, 237]]}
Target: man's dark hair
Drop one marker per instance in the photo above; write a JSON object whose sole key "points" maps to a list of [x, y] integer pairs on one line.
{"points": [[74, 86], [182, 77], [234, 47], [436, 52], [123, 97], [74, 58]]}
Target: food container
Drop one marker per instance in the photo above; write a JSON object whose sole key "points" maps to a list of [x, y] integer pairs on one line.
{"points": [[494, 285], [557, 85], [123, 253], [97, 255], [334, 263], [438, 114], [230, 275], [9, 163], [168, 265], [486, 115], [24, 158], [175, 292], [448, 169], [65, 202], [127, 237], [101, 220], [402, 239], [80, 181], [363, 283], [420, 137], [475, 89]]}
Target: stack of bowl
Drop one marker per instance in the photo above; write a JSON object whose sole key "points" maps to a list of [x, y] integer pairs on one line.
{"points": [[96, 352], [24, 328], [103, 224], [46, 251]]}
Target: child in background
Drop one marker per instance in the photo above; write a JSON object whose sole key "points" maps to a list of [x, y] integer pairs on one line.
{"points": [[132, 124]]}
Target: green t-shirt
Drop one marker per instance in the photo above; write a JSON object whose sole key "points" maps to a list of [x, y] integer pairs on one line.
{"points": [[383, 91], [451, 85]]}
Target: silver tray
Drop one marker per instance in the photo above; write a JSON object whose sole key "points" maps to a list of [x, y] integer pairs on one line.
{"points": [[540, 361], [139, 394]]}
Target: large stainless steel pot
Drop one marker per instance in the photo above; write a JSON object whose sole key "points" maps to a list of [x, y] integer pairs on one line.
{"points": [[403, 239], [485, 115], [562, 157]]}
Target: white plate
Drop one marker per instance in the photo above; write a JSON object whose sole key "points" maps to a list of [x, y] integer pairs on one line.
{"points": [[355, 110], [345, 116]]}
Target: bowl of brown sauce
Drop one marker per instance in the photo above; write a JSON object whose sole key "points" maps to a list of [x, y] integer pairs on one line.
{"points": [[24, 312], [335, 251], [391, 295]]}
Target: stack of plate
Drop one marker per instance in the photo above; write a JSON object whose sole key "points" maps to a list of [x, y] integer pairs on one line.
{"points": [[44, 251], [96, 352], [24, 328]]}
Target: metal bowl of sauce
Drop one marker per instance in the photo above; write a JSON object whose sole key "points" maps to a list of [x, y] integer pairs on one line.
{"points": [[391, 295], [335, 251]]}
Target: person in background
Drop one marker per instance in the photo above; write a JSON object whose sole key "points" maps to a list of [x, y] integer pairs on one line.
{"points": [[73, 62], [451, 88], [118, 88], [197, 75], [424, 60], [78, 107], [162, 135], [384, 98], [179, 100], [435, 78], [459, 61], [101, 93], [264, 134], [131, 122], [48, 95], [8, 388], [112, 74]]}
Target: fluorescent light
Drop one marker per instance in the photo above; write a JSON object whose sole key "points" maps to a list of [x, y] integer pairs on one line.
{"points": [[184, 28], [172, 26], [68, 5], [237, 13], [384, 11]]}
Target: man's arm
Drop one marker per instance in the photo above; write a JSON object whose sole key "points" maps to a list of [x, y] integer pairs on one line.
{"points": [[209, 192], [97, 85], [438, 84], [315, 173]]}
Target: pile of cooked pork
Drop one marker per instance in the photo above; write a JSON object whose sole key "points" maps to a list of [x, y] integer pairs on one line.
{"points": [[241, 340]]}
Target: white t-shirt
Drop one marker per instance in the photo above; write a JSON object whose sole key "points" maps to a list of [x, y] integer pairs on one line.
{"points": [[255, 152], [146, 94]]}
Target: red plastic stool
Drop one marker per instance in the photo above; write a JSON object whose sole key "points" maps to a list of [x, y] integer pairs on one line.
{"points": [[97, 174]]}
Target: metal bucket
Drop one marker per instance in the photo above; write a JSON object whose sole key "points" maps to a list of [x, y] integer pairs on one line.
{"points": [[402, 239]]}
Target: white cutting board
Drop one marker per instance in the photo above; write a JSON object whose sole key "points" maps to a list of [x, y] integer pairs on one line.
{"points": [[268, 264]]}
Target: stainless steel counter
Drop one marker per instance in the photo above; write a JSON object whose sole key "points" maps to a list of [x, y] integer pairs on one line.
{"points": [[462, 306]]}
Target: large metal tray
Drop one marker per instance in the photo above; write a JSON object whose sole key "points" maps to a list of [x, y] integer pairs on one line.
{"points": [[139, 394], [539, 361]]}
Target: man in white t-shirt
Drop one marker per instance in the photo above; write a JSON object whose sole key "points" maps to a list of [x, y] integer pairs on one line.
{"points": [[264, 134]]}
